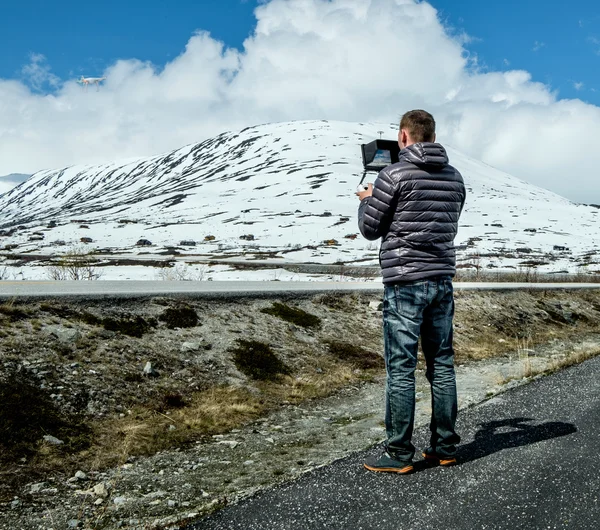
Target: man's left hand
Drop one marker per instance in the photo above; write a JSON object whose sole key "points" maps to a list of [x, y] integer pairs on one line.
{"points": [[364, 194]]}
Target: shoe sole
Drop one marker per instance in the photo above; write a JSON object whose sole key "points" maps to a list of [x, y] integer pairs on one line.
{"points": [[400, 470], [437, 461]]}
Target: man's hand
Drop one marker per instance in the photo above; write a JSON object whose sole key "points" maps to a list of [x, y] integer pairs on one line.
{"points": [[367, 193]]}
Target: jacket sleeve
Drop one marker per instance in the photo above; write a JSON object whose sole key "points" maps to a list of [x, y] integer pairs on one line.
{"points": [[375, 213]]}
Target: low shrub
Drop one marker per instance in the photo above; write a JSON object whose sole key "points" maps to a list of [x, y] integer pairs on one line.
{"points": [[358, 356], [293, 315], [257, 360], [179, 317]]}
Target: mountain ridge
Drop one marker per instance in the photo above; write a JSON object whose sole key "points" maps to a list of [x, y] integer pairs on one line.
{"points": [[287, 185]]}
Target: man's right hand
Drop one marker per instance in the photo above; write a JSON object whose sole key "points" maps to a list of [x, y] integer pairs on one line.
{"points": [[366, 193]]}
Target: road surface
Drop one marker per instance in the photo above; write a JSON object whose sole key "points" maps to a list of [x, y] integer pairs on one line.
{"points": [[206, 289]]}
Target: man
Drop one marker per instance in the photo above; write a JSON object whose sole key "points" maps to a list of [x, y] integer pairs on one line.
{"points": [[414, 208]]}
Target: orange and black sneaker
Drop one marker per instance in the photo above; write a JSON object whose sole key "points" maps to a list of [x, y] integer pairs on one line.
{"points": [[438, 460], [387, 464]]}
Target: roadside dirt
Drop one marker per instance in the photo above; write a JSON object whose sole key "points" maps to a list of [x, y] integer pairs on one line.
{"points": [[160, 422]]}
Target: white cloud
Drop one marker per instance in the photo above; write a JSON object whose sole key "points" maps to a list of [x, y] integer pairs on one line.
{"points": [[354, 60], [537, 46], [37, 73], [578, 85]]}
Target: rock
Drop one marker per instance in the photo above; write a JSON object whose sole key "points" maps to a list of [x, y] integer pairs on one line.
{"points": [[376, 305], [149, 371], [52, 440], [172, 427], [171, 504], [84, 492], [230, 443], [120, 500], [248, 462], [80, 475], [36, 488], [15, 504], [63, 334], [100, 490], [155, 494], [74, 523], [98, 501], [190, 346]]}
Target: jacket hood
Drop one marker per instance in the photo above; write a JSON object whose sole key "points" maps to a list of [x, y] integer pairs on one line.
{"points": [[425, 154]]}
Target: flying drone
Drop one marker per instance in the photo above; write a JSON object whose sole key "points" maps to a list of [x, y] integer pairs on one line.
{"points": [[86, 81]]}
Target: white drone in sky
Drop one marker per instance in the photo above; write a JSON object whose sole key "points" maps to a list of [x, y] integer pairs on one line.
{"points": [[86, 81]]}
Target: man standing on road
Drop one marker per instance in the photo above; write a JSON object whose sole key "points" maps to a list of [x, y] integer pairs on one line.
{"points": [[414, 208]]}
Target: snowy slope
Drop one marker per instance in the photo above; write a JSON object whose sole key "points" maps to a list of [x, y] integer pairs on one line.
{"points": [[291, 186]]}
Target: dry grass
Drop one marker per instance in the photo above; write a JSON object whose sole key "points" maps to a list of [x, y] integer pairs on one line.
{"points": [[528, 370], [511, 321], [573, 358], [146, 430]]}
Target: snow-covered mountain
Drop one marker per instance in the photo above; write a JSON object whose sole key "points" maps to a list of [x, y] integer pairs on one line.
{"points": [[286, 189]]}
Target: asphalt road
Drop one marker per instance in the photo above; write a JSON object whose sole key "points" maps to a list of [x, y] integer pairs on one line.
{"points": [[205, 289], [528, 460]]}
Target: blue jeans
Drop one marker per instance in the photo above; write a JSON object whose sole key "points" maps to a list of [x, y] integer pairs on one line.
{"points": [[422, 308]]}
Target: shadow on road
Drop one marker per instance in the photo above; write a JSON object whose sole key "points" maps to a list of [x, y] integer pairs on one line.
{"points": [[495, 436]]}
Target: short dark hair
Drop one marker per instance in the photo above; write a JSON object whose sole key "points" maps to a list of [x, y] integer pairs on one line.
{"points": [[419, 124]]}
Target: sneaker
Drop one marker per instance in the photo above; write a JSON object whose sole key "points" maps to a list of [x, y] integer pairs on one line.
{"points": [[436, 460], [387, 464]]}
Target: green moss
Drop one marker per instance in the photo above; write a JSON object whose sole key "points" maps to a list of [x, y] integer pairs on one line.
{"points": [[173, 400], [132, 326], [335, 301], [358, 356], [90, 319], [293, 315], [67, 313], [257, 360], [57, 310], [182, 316]]}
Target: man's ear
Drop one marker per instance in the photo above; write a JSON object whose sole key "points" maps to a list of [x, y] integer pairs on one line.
{"points": [[403, 138]]}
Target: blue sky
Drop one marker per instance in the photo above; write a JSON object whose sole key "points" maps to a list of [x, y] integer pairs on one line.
{"points": [[558, 43], [531, 83], [82, 37]]}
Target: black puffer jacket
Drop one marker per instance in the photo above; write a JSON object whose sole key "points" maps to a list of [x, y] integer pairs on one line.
{"points": [[415, 208]]}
